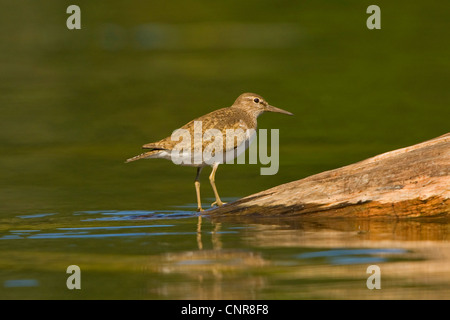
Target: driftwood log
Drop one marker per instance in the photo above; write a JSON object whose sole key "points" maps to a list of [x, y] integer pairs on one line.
{"points": [[408, 182]]}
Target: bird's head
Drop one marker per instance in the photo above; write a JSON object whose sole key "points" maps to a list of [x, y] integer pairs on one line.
{"points": [[255, 104]]}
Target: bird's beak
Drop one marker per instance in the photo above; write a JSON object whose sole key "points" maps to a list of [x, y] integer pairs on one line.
{"points": [[274, 109]]}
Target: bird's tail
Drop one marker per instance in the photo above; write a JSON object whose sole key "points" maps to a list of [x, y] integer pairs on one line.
{"points": [[144, 155]]}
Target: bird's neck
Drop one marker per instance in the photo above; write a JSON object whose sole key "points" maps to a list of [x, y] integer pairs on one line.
{"points": [[249, 111]]}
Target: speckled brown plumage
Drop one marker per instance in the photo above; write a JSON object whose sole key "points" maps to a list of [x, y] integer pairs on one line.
{"points": [[241, 117], [242, 114]]}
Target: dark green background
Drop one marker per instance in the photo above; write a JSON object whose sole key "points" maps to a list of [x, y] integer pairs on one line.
{"points": [[75, 104]]}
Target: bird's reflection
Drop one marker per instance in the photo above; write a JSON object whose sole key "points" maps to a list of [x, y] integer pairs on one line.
{"points": [[215, 235]]}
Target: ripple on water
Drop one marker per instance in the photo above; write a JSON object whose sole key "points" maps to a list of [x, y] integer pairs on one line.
{"points": [[21, 283], [118, 215], [102, 231], [352, 256], [37, 215]]}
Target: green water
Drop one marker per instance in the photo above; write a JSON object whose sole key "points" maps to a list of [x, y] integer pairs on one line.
{"points": [[75, 104]]}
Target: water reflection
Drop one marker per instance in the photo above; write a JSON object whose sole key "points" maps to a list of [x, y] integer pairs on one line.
{"points": [[215, 238], [179, 254], [414, 257]]}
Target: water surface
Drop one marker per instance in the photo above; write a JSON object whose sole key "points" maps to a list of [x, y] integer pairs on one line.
{"points": [[181, 255]]}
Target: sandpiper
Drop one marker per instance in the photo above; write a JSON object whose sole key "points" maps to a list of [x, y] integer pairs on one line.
{"points": [[242, 115]]}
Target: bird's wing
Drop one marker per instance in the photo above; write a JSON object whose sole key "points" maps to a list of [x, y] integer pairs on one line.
{"points": [[231, 123]]}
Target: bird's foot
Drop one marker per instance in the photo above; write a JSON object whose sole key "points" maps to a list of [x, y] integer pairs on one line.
{"points": [[200, 209], [217, 203]]}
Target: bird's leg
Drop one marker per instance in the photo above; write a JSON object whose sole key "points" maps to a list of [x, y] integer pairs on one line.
{"points": [[197, 189], [213, 185]]}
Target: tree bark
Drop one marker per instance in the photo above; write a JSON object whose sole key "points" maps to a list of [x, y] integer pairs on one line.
{"points": [[408, 182]]}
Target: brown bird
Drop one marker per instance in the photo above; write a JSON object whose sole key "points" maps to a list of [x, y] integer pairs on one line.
{"points": [[237, 124]]}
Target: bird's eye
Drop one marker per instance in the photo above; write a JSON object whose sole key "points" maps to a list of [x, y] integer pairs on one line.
{"points": [[256, 100]]}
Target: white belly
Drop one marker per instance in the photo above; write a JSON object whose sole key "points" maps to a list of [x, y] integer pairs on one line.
{"points": [[192, 159]]}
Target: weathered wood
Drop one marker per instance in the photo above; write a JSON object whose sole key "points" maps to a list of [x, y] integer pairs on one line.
{"points": [[408, 182]]}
